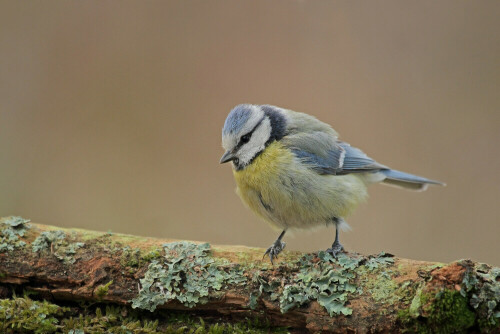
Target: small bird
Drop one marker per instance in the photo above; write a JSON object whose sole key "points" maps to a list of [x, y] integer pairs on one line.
{"points": [[293, 171]]}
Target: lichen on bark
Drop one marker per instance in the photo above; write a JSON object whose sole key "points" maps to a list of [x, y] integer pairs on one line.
{"points": [[186, 273], [313, 292]]}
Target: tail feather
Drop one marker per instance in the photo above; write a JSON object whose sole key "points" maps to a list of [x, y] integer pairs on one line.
{"points": [[407, 181]]}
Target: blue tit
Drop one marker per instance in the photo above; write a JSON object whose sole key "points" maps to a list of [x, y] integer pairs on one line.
{"points": [[293, 171]]}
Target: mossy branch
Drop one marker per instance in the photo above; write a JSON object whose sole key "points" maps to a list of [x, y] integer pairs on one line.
{"points": [[303, 292]]}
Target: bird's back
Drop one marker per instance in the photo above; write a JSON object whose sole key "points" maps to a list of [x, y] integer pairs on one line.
{"points": [[298, 122]]}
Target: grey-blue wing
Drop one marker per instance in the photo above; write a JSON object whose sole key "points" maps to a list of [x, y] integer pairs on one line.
{"points": [[356, 161], [327, 164], [327, 155]]}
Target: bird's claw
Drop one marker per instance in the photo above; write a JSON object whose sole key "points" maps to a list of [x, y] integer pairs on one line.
{"points": [[274, 250], [335, 249]]}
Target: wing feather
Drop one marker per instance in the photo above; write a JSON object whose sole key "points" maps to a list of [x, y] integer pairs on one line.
{"points": [[325, 154]]}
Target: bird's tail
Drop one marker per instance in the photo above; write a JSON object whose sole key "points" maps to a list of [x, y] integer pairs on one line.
{"points": [[407, 181]]}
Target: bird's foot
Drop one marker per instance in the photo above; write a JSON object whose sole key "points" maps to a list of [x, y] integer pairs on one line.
{"points": [[274, 250], [336, 249]]}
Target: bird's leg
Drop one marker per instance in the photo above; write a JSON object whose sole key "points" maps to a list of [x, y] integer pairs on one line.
{"points": [[336, 246], [275, 248]]}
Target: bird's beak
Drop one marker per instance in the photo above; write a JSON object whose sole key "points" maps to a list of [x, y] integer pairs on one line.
{"points": [[228, 156]]}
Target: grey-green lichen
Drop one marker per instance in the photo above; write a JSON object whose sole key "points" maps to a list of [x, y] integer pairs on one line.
{"points": [[48, 239], [383, 288], [330, 282], [481, 285], [377, 279], [381, 260], [58, 244], [12, 229], [187, 273], [328, 285]]}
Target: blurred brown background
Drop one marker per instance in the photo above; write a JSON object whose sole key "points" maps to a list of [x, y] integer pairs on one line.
{"points": [[111, 114]]}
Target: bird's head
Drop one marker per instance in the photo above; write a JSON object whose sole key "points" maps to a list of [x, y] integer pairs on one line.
{"points": [[248, 130]]}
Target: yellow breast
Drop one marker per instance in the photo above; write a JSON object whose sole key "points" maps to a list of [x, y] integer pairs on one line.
{"points": [[257, 183], [288, 194], [265, 167]]}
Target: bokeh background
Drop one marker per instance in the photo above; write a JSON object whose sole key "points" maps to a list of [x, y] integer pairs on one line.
{"points": [[111, 114]]}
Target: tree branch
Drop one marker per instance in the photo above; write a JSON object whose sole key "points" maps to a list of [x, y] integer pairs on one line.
{"points": [[313, 292]]}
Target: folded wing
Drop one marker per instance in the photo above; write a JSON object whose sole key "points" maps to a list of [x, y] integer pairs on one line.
{"points": [[327, 155]]}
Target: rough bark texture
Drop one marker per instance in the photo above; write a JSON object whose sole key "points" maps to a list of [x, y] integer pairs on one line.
{"points": [[303, 292]]}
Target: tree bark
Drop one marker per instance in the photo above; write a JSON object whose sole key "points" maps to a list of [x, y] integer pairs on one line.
{"points": [[304, 292]]}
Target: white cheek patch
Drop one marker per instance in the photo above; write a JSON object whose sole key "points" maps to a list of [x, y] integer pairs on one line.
{"points": [[230, 140], [257, 142]]}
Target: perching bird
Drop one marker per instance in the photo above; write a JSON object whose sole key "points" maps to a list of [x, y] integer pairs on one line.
{"points": [[293, 171]]}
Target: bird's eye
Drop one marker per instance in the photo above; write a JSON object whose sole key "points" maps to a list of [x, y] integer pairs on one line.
{"points": [[245, 139], [236, 161]]}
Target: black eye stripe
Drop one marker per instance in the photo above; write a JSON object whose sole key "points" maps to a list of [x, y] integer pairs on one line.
{"points": [[249, 134]]}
